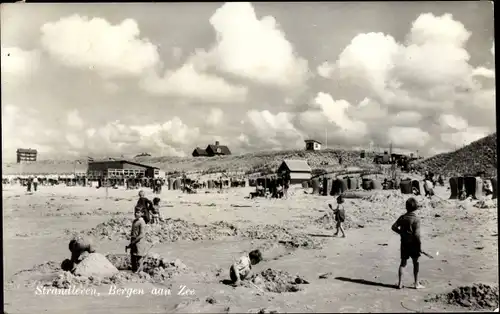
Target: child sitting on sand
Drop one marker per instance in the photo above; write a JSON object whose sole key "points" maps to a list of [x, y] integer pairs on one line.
{"points": [[242, 269], [339, 214], [155, 211]]}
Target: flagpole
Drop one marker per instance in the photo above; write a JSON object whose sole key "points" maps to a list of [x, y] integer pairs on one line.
{"points": [[74, 171], [326, 137]]}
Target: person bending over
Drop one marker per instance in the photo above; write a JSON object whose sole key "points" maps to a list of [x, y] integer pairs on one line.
{"points": [[242, 269]]}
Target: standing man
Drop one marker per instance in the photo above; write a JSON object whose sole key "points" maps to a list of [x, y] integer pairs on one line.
{"points": [[29, 183], [147, 206], [35, 183], [286, 185]]}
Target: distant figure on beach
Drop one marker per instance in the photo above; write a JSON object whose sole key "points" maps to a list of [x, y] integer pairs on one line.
{"points": [[35, 183], [408, 227], [339, 214], [30, 180]]}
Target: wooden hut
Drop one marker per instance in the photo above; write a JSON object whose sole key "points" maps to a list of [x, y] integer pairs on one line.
{"points": [[297, 170]]}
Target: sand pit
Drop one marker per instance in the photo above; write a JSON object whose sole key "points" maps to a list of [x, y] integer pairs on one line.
{"points": [[276, 281], [155, 268], [475, 297], [170, 230], [282, 235]]}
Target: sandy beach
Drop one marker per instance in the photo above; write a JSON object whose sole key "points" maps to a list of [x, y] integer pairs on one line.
{"points": [[359, 271]]}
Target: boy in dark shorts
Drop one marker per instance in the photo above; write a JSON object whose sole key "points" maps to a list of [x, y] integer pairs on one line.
{"points": [[339, 214], [242, 269], [408, 227]]}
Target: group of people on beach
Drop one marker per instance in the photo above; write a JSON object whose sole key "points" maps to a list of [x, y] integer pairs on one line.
{"points": [[147, 212]]}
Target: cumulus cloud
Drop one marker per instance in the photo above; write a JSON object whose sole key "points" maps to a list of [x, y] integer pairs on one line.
{"points": [[448, 121], [271, 131], [361, 65], [465, 136], [336, 113], [24, 129], [325, 69], [425, 84], [408, 137], [406, 118], [482, 71], [252, 48], [189, 82], [215, 116], [111, 50], [75, 141], [172, 137]]}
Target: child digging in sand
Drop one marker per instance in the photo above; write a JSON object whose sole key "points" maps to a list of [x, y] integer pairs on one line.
{"points": [[242, 269], [408, 227], [339, 214]]}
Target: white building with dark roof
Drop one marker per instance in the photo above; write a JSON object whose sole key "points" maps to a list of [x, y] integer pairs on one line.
{"points": [[297, 170]]}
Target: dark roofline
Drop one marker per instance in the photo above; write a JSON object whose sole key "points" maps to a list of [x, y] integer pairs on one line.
{"points": [[26, 150], [224, 149], [313, 141], [123, 161]]}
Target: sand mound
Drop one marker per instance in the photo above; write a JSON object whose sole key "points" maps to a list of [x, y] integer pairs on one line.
{"points": [[393, 196], [66, 280], [433, 203], [477, 297], [175, 230], [327, 221], [97, 265], [277, 281], [279, 233], [155, 269], [478, 155], [31, 277], [46, 267], [170, 230]]}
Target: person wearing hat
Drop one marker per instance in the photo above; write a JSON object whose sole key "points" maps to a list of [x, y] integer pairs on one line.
{"points": [[339, 214], [408, 227], [147, 206]]}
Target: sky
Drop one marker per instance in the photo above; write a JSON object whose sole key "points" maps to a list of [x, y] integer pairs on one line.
{"points": [[102, 79]]}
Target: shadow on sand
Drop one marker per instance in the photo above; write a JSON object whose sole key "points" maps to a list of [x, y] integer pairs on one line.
{"points": [[227, 282], [366, 282], [320, 235]]}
